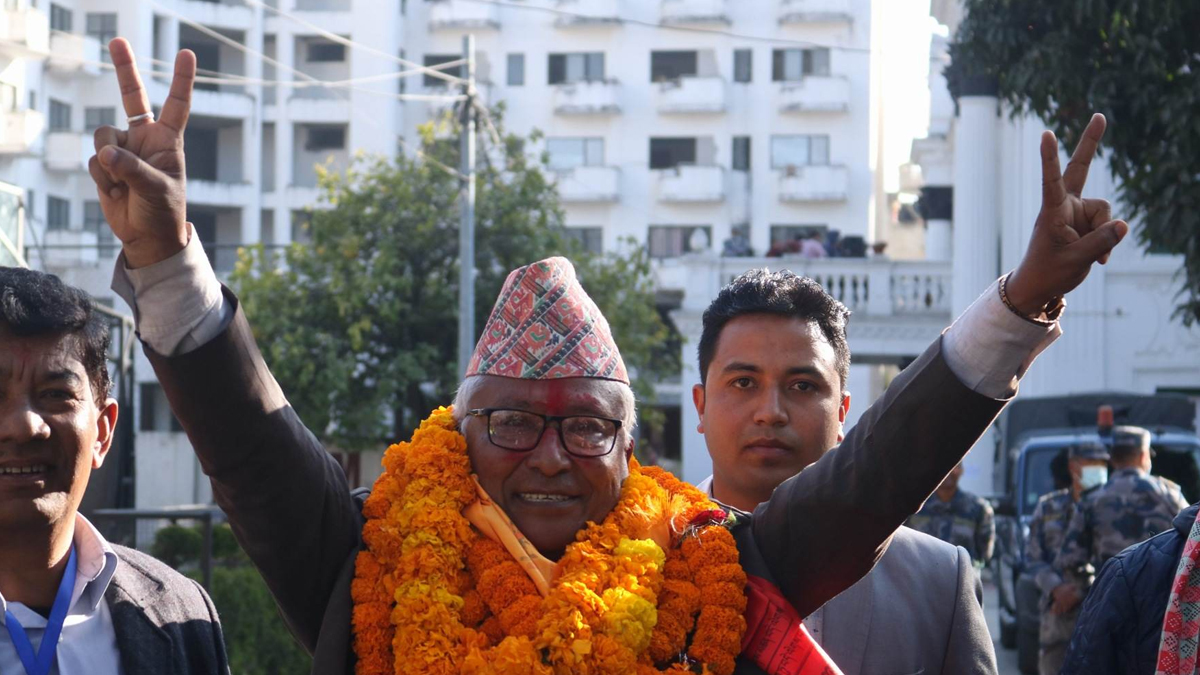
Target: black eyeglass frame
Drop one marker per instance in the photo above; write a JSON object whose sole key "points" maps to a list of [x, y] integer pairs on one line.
{"points": [[547, 420]]}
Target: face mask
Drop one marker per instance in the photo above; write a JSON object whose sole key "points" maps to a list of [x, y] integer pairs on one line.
{"points": [[1092, 476]]}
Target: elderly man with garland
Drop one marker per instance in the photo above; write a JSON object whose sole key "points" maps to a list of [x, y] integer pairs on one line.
{"points": [[517, 534]]}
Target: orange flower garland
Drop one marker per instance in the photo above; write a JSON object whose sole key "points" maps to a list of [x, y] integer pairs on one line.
{"points": [[431, 595]]}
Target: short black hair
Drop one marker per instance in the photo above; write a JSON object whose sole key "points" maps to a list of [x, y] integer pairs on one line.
{"points": [[35, 304], [782, 294], [1128, 443]]}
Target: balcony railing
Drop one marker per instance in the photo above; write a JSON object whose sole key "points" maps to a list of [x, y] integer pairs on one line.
{"points": [[462, 14], [219, 192], [675, 12], [691, 183], [692, 95], [587, 98], [815, 94], [74, 53], [582, 13], [584, 184], [222, 14], [24, 32], [19, 130], [815, 11], [68, 151], [814, 184]]}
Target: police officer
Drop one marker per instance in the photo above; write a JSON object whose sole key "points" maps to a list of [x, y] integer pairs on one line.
{"points": [[1130, 507], [1088, 466], [958, 517]]}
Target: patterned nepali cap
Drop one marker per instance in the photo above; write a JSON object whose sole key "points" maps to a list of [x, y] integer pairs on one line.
{"points": [[545, 327]]}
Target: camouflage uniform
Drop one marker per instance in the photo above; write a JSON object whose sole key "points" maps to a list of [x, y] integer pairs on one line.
{"points": [[965, 520], [1131, 507], [1046, 533]]}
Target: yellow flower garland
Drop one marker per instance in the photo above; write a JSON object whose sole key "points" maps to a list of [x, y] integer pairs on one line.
{"points": [[431, 595]]}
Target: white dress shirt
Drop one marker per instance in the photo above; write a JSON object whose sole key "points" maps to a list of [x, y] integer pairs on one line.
{"points": [[88, 644]]}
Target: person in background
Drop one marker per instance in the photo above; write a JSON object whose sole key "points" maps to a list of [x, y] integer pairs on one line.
{"points": [[1088, 467], [811, 246], [958, 517]]}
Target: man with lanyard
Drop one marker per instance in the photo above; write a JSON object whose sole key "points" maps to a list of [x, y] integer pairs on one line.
{"points": [[528, 484], [74, 604]]}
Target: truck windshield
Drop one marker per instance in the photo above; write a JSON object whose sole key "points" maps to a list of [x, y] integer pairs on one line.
{"points": [[1181, 463], [1039, 477]]}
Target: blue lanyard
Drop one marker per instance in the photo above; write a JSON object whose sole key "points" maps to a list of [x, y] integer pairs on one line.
{"points": [[40, 665]]}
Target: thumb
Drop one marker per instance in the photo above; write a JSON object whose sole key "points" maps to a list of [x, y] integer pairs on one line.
{"points": [[1097, 244], [128, 168]]}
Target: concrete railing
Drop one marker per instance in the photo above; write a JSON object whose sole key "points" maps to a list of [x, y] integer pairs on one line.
{"points": [[694, 11], [589, 184], [586, 98], [815, 94], [588, 13], [22, 31], [692, 95], [815, 11], [68, 150], [459, 14], [821, 183], [691, 183], [74, 53], [19, 130]]}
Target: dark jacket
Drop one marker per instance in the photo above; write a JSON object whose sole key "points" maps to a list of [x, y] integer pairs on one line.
{"points": [[1121, 621], [165, 622], [292, 510]]}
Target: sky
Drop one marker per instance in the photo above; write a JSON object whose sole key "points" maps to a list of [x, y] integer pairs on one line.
{"points": [[904, 40]]}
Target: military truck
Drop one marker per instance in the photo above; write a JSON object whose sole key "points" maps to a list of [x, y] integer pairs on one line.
{"points": [[1030, 460]]}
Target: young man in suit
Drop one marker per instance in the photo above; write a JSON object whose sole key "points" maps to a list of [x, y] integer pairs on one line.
{"points": [[92, 608], [772, 400]]}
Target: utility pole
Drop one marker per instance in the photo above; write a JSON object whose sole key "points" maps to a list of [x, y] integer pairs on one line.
{"points": [[466, 229]]}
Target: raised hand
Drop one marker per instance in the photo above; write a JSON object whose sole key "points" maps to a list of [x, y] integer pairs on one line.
{"points": [[139, 173], [1071, 232]]}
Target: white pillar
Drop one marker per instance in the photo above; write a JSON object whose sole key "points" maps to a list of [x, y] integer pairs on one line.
{"points": [[285, 53], [976, 236], [252, 128], [938, 240]]}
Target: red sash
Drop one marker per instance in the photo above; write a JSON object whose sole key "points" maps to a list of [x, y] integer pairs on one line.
{"points": [[776, 640]]}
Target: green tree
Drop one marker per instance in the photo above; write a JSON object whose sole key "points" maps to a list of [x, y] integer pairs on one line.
{"points": [[360, 324], [1136, 61]]}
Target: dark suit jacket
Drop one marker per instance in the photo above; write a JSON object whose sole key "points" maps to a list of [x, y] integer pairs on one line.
{"points": [[919, 611], [293, 512], [165, 622]]}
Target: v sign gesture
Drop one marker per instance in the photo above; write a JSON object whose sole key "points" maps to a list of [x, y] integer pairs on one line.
{"points": [[1071, 232], [139, 173]]}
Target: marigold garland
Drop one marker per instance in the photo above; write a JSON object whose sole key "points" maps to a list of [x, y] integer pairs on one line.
{"points": [[431, 595]]}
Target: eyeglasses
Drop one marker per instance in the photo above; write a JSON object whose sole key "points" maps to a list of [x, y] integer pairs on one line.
{"points": [[580, 435]]}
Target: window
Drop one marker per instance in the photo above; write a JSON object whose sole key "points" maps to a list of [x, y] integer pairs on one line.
{"points": [[672, 241], [568, 153], [60, 116], [94, 118], [743, 65], [201, 155], [516, 70], [581, 67], [58, 213], [437, 60], [741, 153], [155, 412], [591, 239], [781, 234], [93, 221], [789, 65], [30, 200], [60, 18], [792, 151], [402, 82], [103, 27], [666, 66], [32, 99], [320, 51], [325, 138], [667, 153]]}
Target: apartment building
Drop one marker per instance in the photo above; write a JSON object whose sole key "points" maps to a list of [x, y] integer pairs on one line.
{"points": [[679, 123]]}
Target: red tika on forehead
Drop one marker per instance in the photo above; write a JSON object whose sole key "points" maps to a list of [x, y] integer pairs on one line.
{"points": [[545, 327]]}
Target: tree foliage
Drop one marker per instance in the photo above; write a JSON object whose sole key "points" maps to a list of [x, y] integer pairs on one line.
{"points": [[360, 324], [1136, 61]]}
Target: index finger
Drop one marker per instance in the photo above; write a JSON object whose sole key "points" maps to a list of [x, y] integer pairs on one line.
{"points": [[1053, 192], [1081, 159], [133, 92]]}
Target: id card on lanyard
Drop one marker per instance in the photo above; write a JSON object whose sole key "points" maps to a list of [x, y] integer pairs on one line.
{"points": [[43, 661]]}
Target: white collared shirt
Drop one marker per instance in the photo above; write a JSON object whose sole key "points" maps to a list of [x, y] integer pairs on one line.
{"points": [[88, 645]]}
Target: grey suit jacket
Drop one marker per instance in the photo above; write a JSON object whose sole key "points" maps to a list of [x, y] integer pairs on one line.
{"points": [[294, 514], [165, 622], [919, 611]]}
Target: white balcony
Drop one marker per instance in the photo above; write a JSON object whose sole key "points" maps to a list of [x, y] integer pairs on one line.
{"points": [[73, 53], [317, 110], [66, 248], [218, 193], [676, 12], [814, 184], [462, 15], [589, 184], [223, 14], [815, 94], [815, 11], [586, 13], [68, 151], [689, 183], [19, 129], [689, 95], [586, 98], [23, 32]]}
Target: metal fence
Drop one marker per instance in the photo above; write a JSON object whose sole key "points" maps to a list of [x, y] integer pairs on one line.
{"points": [[138, 529]]}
